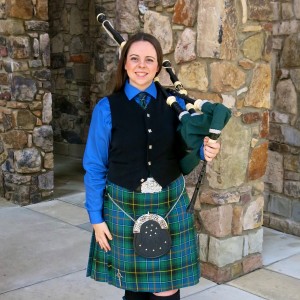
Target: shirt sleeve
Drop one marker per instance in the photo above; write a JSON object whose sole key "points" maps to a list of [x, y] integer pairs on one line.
{"points": [[202, 152], [95, 160]]}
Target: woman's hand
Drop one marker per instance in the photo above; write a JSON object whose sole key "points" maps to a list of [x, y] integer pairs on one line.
{"points": [[102, 235], [210, 149]]}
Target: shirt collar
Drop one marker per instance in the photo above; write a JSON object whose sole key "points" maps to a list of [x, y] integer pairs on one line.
{"points": [[132, 91]]}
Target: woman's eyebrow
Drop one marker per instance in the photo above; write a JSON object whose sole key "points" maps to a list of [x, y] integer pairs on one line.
{"points": [[148, 56]]}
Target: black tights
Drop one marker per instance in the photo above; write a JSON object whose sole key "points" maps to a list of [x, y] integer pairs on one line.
{"points": [[149, 296]]}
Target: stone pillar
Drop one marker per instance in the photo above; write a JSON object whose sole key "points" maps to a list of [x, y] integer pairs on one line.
{"points": [[221, 51], [282, 199], [26, 143], [71, 73]]}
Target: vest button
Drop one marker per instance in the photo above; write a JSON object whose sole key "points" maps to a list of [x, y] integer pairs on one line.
{"points": [[149, 130], [149, 163], [150, 146], [148, 115], [142, 180]]}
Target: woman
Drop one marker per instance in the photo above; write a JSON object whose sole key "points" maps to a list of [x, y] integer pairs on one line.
{"points": [[129, 142]]}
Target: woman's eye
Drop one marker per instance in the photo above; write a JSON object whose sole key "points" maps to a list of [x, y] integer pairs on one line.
{"points": [[134, 59], [150, 60]]}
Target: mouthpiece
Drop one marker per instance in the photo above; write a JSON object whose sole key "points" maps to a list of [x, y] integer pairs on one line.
{"points": [[100, 16], [166, 63]]}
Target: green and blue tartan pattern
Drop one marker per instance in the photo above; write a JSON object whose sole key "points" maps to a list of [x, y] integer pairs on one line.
{"points": [[124, 269]]}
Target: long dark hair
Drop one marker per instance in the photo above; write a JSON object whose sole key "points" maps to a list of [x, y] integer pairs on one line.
{"points": [[121, 74]]}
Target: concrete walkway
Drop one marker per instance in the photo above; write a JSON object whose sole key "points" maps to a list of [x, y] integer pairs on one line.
{"points": [[44, 249]]}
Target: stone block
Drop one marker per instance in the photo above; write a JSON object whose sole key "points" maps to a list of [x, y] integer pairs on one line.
{"points": [[258, 161], [265, 127], [194, 76], [24, 119], [290, 55], [47, 108], [154, 22], [43, 137], [253, 214], [219, 198], [203, 245], [292, 189], [259, 90], [274, 172], [286, 97], [11, 27], [296, 210], [279, 223], [279, 117], [46, 181], [23, 89], [186, 46], [253, 47], [255, 241], [76, 26], [127, 16], [21, 9], [81, 72], [260, 11], [292, 163], [237, 220], [185, 12], [27, 161], [37, 26], [280, 205], [252, 263], [42, 9], [226, 77], [16, 139], [295, 76], [250, 118], [229, 167], [218, 275], [209, 28], [226, 251], [217, 221], [19, 47]]}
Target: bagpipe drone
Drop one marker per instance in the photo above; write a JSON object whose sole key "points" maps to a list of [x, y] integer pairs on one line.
{"points": [[201, 118]]}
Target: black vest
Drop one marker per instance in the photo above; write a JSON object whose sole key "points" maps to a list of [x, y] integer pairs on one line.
{"points": [[143, 142]]}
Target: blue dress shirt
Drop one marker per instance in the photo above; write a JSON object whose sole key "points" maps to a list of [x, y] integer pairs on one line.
{"points": [[95, 159]]}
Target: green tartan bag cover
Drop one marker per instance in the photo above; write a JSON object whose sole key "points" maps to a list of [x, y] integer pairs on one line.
{"points": [[152, 238]]}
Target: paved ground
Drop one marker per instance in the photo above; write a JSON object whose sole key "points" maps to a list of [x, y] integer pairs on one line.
{"points": [[44, 248]]}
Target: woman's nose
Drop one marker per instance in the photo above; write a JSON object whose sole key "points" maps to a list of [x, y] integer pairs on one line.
{"points": [[142, 63]]}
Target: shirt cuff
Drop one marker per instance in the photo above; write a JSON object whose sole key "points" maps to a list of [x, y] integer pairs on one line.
{"points": [[202, 157], [95, 217]]}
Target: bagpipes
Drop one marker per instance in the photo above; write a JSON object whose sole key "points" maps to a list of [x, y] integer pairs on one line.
{"points": [[200, 118]]}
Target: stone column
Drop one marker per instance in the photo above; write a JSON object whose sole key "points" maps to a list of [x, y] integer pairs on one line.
{"points": [[71, 73], [282, 199], [26, 143]]}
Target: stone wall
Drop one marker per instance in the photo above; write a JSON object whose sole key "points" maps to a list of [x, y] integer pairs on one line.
{"points": [[71, 43], [26, 142], [282, 200], [221, 51]]}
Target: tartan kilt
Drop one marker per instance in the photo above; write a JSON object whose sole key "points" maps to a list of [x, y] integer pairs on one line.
{"points": [[121, 267]]}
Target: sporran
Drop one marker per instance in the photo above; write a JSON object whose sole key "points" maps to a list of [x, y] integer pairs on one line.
{"points": [[152, 238]]}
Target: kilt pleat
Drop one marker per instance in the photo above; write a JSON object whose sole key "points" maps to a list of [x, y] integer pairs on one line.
{"points": [[124, 269]]}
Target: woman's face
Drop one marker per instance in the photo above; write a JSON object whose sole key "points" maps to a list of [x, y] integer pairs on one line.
{"points": [[141, 64]]}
